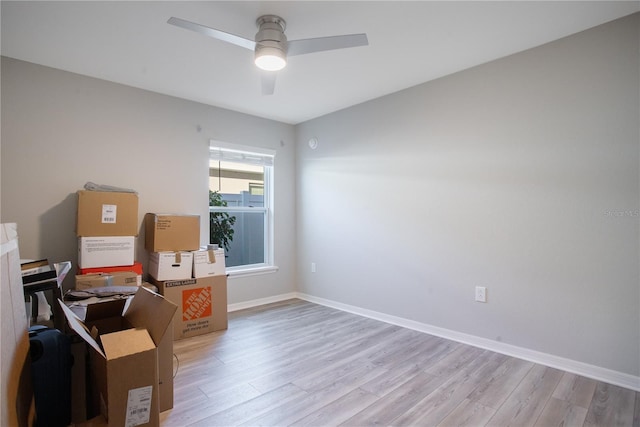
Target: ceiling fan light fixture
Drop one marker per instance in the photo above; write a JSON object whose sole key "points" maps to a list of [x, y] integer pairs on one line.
{"points": [[270, 45], [270, 58]]}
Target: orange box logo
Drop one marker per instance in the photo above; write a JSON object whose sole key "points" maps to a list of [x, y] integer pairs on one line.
{"points": [[196, 303]]}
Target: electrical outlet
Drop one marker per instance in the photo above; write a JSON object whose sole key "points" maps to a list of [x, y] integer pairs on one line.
{"points": [[313, 267], [481, 294]]}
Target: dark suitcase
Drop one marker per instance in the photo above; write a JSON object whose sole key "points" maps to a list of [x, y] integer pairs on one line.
{"points": [[51, 364]]}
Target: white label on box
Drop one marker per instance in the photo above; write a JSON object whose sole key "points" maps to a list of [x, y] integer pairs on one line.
{"points": [[106, 251], [109, 214], [139, 406]]}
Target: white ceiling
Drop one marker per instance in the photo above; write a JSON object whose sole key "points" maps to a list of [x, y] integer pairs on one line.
{"points": [[129, 42]]}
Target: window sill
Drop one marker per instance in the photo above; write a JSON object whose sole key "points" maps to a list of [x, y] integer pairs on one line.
{"points": [[234, 272]]}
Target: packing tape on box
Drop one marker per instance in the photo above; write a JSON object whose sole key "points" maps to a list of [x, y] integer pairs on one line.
{"points": [[212, 256]]}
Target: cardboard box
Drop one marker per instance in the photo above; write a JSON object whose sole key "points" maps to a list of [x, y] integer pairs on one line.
{"points": [[136, 268], [99, 280], [170, 265], [171, 233], [125, 355], [107, 213], [165, 369], [208, 262], [202, 304], [106, 251]]}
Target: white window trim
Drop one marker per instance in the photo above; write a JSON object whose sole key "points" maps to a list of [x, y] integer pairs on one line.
{"points": [[251, 270], [269, 265]]}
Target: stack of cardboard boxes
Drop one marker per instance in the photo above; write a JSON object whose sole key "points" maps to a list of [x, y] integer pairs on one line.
{"points": [[192, 278], [130, 342], [107, 227]]}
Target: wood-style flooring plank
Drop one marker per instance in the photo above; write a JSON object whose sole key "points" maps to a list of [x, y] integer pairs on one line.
{"points": [[576, 389], [301, 364], [527, 401], [561, 413], [498, 387], [192, 411], [306, 366], [468, 414], [340, 364], [436, 406], [244, 411], [291, 412], [611, 406], [396, 402], [339, 410]]}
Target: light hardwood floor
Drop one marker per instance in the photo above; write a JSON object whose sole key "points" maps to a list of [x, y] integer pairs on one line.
{"points": [[299, 363]]}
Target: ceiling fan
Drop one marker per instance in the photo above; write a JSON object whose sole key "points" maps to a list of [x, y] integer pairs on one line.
{"points": [[271, 46]]}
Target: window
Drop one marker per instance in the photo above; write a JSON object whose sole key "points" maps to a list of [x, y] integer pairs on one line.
{"points": [[240, 205]]}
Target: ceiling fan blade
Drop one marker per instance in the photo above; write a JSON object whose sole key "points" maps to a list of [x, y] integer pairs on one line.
{"points": [[216, 34], [268, 82], [303, 46]]}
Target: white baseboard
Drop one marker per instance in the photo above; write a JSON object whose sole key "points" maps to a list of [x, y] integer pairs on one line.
{"points": [[261, 301], [590, 371]]}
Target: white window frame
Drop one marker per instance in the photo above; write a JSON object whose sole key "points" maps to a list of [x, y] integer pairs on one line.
{"points": [[251, 155]]}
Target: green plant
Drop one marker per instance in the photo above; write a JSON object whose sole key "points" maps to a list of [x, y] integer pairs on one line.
{"points": [[220, 223]]}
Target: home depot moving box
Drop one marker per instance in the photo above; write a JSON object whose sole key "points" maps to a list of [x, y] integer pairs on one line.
{"points": [[202, 304], [170, 232], [126, 355], [107, 213]]}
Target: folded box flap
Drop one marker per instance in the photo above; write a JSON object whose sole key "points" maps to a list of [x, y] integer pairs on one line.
{"points": [[150, 311], [76, 324], [126, 342]]}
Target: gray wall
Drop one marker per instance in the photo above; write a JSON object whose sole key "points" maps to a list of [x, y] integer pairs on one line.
{"points": [[60, 130], [521, 175]]}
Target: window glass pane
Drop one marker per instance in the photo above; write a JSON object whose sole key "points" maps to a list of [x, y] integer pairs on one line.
{"points": [[247, 246], [235, 178], [242, 234]]}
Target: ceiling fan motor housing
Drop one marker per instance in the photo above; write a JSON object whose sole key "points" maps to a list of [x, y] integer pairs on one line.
{"points": [[270, 35]]}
